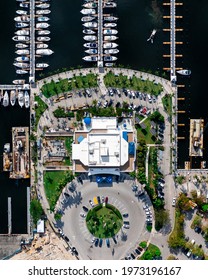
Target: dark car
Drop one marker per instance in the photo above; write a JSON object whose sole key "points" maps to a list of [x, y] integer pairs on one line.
{"points": [[106, 199], [96, 242], [85, 208], [66, 238], [132, 256], [110, 103], [79, 179], [197, 229], [100, 242], [114, 239], [98, 199], [74, 250], [108, 242], [66, 194], [125, 215], [137, 251]]}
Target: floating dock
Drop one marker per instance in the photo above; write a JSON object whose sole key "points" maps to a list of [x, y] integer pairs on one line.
{"points": [[196, 137], [7, 158]]}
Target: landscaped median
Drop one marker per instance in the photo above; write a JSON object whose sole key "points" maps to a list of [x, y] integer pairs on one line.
{"points": [[40, 108], [152, 252]]}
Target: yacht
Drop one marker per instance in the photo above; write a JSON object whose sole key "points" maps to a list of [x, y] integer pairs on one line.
{"points": [[42, 25], [21, 0], [24, 5], [89, 5], [12, 97], [110, 58], [22, 58], [152, 35], [110, 18], [111, 51], [90, 58], [43, 32], [43, 38], [27, 99], [21, 38], [21, 64], [91, 51], [21, 72], [43, 6], [91, 45], [90, 38], [110, 38], [109, 64], [44, 51], [22, 18], [21, 99], [21, 12], [110, 45], [43, 12], [88, 31], [22, 51], [42, 65], [6, 99], [19, 82], [87, 18], [42, 46], [184, 72], [90, 24], [110, 24], [110, 31], [109, 5], [43, 18], [88, 11], [21, 46], [21, 24], [22, 32]]}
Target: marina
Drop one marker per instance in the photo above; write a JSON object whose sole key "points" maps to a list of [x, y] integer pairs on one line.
{"points": [[196, 138]]}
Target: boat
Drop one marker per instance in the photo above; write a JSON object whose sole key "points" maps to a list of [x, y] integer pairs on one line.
{"points": [[21, 12], [109, 5], [90, 38], [42, 25], [12, 97], [22, 32], [27, 99], [88, 31], [7, 148], [44, 51], [110, 58], [109, 64], [21, 64], [43, 12], [24, 5], [21, 24], [184, 72], [110, 24], [87, 18], [19, 82], [110, 45], [42, 65], [21, 46], [21, 0], [90, 58], [110, 31], [21, 98], [22, 51], [22, 58], [42, 46], [21, 72], [90, 24], [111, 51], [22, 18], [152, 35], [110, 18], [6, 99], [110, 38], [43, 6], [21, 38], [89, 5], [43, 18], [88, 11], [43, 38], [43, 32], [91, 51], [90, 45]]}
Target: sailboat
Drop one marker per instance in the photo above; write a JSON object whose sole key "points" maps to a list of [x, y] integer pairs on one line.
{"points": [[152, 35]]}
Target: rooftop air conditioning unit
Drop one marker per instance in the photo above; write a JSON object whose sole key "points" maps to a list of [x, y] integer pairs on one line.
{"points": [[91, 151], [103, 141]]}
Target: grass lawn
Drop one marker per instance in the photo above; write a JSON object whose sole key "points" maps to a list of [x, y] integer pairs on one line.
{"points": [[151, 253], [145, 133], [39, 110], [68, 144], [167, 104]]}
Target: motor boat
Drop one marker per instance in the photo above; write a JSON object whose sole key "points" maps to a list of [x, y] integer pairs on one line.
{"points": [[21, 46], [91, 51], [21, 64], [22, 18], [42, 25], [43, 6], [44, 52], [88, 31], [90, 24], [22, 32], [90, 38], [111, 51], [90, 58], [12, 97], [89, 5], [6, 99], [110, 31], [184, 72], [87, 18], [109, 64], [21, 24], [43, 32], [27, 99], [110, 18], [88, 11], [110, 45], [43, 38], [110, 24], [21, 38], [22, 51], [110, 58], [43, 12], [152, 35], [42, 65], [110, 38], [21, 72], [43, 18], [19, 82], [90, 45], [21, 12], [42, 46], [22, 58], [21, 98], [24, 5], [109, 5]]}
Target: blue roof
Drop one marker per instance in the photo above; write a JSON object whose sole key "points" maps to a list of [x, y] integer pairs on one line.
{"points": [[131, 148], [87, 120], [125, 135], [80, 138]]}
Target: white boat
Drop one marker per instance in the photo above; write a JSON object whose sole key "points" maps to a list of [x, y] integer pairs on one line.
{"points": [[23, 18], [24, 5], [19, 82], [43, 32], [21, 99], [43, 19], [21, 64], [87, 18], [42, 65], [90, 45], [110, 58], [109, 64], [42, 46], [88, 11], [43, 6], [43, 38], [27, 99], [152, 35], [44, 52], [22, 58], [109, 5], [89, 5], [12, 97], [43, 12], [110, 18], [6, 99], [90, 58], [110, 31], [21, 38], [22, 51], [91, 51], [21, 24], [110, 24], [110, 38], [184, 72], [110, 45], [21, 12], [42, 25], [90, 38], [22, 32], [88, 31], [111, 51], [21, 72], [7, 148], [21, 46], [90, 24]]}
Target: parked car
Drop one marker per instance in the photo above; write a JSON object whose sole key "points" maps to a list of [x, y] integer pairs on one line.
{"points": [[100, 242], [108, 242], [189, 253], [82, 215], [66, 194], [91, 203], [125, 215], [192, 241], [173, 201], [85, 208], [66, 238], [197, 229]]}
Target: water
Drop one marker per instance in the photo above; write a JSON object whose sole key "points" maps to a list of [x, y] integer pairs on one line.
{"points": [[136, 21]]}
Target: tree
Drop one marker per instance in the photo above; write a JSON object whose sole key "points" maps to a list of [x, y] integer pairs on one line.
{"points": [[183, 202], [35, 210], [161, 218]]}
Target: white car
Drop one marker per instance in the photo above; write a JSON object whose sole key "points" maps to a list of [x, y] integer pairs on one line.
{"points": [[174, 202]]}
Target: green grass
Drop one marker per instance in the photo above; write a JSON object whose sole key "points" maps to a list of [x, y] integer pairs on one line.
{"points": [[68, 144], [149, 139], [151, 253], [167, 104], [39, 110]]}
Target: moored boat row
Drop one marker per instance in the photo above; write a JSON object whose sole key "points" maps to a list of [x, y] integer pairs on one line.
{"points": [[21, 97]]}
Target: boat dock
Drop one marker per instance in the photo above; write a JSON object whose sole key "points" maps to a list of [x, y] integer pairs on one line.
{"points": [[9, 215], [196, 137], [100, 34], [20, 145], [7, 158], [32, 42]]}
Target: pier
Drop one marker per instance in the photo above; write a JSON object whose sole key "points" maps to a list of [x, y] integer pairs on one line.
{"points": [[100, 34], [9, 215], [32, 42]]}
